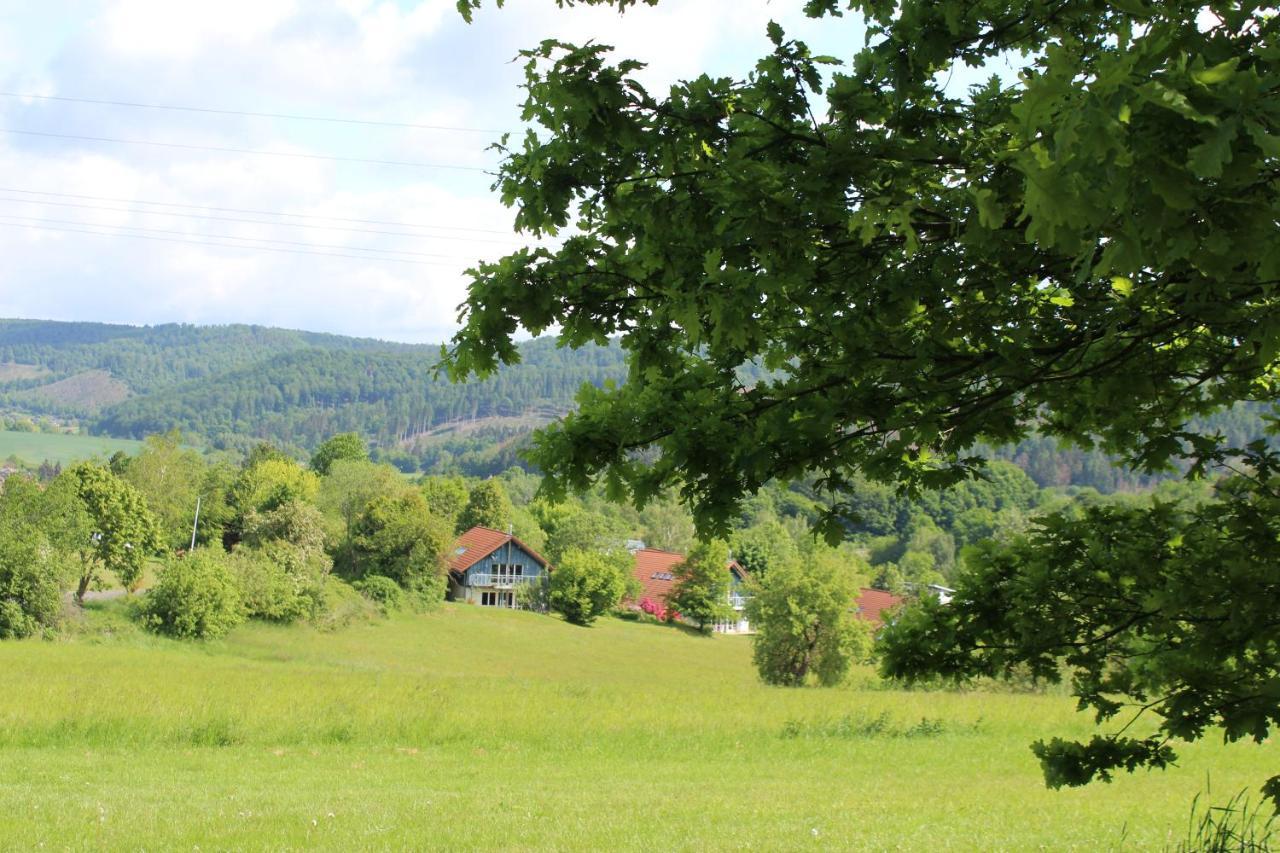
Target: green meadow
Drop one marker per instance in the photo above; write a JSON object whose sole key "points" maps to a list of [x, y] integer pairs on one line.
{"points": [[467, 728], [36, 447]]}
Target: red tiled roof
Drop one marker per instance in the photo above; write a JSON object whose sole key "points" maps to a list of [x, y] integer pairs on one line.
{"points": [[479, 542], [872, 602], [655, 569]]}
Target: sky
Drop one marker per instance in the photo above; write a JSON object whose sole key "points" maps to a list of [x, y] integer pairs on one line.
{"points": [[96, 225]]}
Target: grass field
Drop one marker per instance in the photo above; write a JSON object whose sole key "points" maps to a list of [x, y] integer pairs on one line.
{"points": [[466, 728], [36, 447]]}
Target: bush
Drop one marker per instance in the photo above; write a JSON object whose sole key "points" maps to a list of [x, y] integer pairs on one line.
{"points": [[279, 583], [343, 606], [196, 597], [382, 591], [586, 584], [535, 595], [31, 584], [427, 591]]}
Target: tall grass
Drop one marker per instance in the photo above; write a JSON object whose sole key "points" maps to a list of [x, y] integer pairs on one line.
{"points": [[1238, 826], [473, 728]]}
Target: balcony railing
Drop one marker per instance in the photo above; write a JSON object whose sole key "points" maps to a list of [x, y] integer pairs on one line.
{"points": [[737, 602], [499, 581]]}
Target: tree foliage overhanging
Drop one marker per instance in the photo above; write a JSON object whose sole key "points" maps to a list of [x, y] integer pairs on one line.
{"points": [[1090, 250]]}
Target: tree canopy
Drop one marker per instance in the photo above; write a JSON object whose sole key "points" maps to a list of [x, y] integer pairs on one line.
{"points": [[346, 446], [1089, 251], [702, 580], [124, 532]]}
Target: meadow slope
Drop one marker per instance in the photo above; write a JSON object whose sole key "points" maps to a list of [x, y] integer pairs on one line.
{"points": [[466, 728], [36, 447]]}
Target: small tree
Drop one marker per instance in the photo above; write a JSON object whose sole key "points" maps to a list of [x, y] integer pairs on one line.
{"points": [[345, 493], [294, 523], [447, 496], [281, 564], [572, 528], [169, 476], [701, 593], [347, 446], [196, 597], [398, 537], [803, 613], [586, 584], [763, 545], [31, 582], [488, 506], [269, 482], [124, 530]]}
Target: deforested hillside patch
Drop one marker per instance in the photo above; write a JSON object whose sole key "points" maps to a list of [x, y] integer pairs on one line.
{"points": [[14, 372], [87, 391]]}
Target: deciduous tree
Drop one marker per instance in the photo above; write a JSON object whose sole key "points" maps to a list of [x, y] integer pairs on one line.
{"points": [[397, 537], [124, 532], [346, 446], [1090, 250], [488, 506], [169, 476], [701, 591], [803, 615]]}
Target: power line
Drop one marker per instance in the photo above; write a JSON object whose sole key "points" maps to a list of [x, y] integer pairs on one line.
{"points": [[253, 211], [226, 245], [254, 151], [215, 218], [235, 237], [289, 116]]}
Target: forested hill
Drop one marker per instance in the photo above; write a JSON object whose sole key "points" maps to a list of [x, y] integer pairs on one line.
{"points": [[300, 398], [230, 386], [148, 358]]}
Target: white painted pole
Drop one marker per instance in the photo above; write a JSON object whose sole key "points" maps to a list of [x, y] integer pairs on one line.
{"points": [[195, 524]]}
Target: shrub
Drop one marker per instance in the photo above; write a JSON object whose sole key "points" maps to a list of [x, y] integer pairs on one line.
{"points": [[427, 591], [31, 582], [586, 584], [382, 591], [279, 582], [343, 606], [196, 597], [535, 595]]}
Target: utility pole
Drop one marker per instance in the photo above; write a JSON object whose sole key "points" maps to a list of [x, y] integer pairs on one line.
{"points": [[195, 524]]}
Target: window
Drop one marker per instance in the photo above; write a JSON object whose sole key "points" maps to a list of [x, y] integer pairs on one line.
{"points": [[488, 599]]}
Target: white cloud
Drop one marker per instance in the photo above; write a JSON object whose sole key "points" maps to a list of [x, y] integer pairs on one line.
{"points": [[355, 58]]}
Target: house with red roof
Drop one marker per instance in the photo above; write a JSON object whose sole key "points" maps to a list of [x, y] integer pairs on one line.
{"points": [[875, 604], [487, 566], [655, 570]]}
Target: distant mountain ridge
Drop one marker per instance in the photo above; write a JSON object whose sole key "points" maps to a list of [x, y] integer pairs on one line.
{"points": [[231, 386]]}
